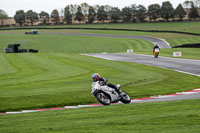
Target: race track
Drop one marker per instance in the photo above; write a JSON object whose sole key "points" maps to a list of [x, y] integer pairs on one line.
{"points": [[156, 41], [182, 65]]}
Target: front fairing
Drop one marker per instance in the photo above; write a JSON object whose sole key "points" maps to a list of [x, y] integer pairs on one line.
{"points": [[95, 86]]}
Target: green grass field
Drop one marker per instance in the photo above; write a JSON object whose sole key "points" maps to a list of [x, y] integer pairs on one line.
{"points": [[193, 27], [30, 81], [72, 44], [47, 79], [159, 117], [85, 44], [58, 76]]}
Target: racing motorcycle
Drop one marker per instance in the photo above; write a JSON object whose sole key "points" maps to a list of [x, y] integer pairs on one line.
{"points": [[107, 95], [156, 52]]}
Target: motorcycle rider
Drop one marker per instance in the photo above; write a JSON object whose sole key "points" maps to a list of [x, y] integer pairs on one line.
{"points": [[155, 52], [155, 48], [103, 81]]}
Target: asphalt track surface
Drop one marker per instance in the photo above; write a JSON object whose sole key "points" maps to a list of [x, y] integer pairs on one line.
{"points": [[173, 97], [156, 41], [182, 65]]}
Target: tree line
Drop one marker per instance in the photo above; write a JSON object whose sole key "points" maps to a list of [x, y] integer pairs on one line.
{"points": [[88, 14]]}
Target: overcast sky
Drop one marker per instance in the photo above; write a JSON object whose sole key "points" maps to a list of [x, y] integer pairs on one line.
{"points": [[11, 6]]}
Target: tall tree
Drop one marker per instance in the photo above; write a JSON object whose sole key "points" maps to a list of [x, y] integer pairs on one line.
{"points": [[68, 15], [20, 17], [180, 12], [62, 15], [196, 3], [153, 11], [91, 15], [3, 14], [102, 14], [108, 9], [167, 11], [44, 16], [96, 7], [126, 14], [141, 13], [187, 4], [85, 10], [115, 14], [133, 8], [193, 12], [79, 14], [62, 12], [73, 8], [55, 16], [31, 16]]}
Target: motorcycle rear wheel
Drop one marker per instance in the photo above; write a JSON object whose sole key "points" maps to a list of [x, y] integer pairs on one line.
{"points": [[103, 98]]}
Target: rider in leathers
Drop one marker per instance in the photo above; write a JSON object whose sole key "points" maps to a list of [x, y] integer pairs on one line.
{"points": [[155, 48], [103, 81]]}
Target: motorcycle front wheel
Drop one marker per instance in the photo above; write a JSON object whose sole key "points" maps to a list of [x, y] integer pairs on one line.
{"points": [[125, 98], [103, 98]]}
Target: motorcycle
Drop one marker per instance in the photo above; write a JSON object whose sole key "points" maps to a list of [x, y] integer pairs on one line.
{"points": [[107, 95], [156, 52]]}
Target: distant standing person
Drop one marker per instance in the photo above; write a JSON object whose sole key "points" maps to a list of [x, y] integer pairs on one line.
{"points": [[156, 51]]}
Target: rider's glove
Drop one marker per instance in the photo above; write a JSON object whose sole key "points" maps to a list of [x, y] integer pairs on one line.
{"points": [[104, 80]]}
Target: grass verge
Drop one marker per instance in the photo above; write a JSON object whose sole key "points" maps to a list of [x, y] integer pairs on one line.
{"points": [[30, 81], [165, 117], [192, 27]]}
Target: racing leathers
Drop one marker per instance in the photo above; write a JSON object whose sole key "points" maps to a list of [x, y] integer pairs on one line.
{"points": [[104, 81]]}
